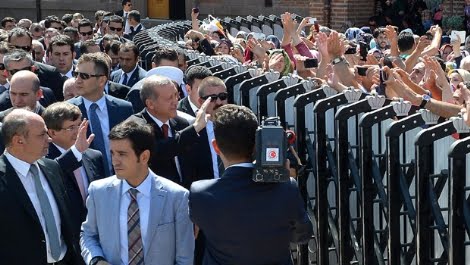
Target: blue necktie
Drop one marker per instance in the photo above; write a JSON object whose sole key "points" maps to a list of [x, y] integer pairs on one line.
{"points": [[46, 209], [99, 138], [124, 82]]}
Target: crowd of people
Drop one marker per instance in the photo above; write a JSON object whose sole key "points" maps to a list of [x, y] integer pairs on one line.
{"points": [[106, 162]]}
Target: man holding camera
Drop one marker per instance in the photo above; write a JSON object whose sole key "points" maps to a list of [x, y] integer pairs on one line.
{"points": [[245, 222]]}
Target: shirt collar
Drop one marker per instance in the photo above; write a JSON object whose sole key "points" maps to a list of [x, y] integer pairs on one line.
{"points": [[131, 72], [69, 73], [247, 165], [61, 150], [100, 102], [144, 187], [159, 122], [19, 165], [193, 107]]}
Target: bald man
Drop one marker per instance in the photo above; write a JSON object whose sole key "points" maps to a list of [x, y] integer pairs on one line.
{"points": [[36, 224], [25, 91], [70, 90]]}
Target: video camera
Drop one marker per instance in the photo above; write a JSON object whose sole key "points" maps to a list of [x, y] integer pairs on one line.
{"points": [[271, 151]]}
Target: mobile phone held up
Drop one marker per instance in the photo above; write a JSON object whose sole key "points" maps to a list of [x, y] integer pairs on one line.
{"points": [[363, 50], [311, 63], [362, 70], [383, 77]]}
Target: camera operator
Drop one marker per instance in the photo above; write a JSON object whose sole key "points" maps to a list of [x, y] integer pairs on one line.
{"points": [[245, 222]]}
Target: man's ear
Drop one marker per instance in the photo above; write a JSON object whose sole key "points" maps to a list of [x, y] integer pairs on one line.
{"points": [[39, 94], [216, 147], [188, 88], [145, 156]]}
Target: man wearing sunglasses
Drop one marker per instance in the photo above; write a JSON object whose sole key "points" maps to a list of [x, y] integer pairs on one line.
{"points": [[85, 32], [15, 61], [124, 13], [48, 75], [103, 111]]}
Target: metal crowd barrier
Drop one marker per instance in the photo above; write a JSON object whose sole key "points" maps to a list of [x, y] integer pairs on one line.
{"points": [[383, 181]]}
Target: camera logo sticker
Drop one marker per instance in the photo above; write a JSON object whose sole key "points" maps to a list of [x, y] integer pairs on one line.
{"points": [[272, 154]]}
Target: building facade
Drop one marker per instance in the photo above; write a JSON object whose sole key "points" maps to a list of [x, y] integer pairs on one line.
{"points": [[337, 14]]}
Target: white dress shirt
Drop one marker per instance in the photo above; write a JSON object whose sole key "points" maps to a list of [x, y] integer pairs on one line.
{"points": [[210, 137], [69, 73], [77, 155], [170, 134], [128, 75], [193, 106], [22, 169], [143, 200], [102, 113], [127, 27]]}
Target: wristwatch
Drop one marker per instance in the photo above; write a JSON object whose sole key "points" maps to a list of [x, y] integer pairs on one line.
{"points": [[95, 260], [338, 60], [426, 99]]}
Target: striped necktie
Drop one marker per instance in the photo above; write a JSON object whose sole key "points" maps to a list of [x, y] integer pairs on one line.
{"points": [[135, 246]]}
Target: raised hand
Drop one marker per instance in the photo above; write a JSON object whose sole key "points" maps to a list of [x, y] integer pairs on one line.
{"points": [[82, 142]]}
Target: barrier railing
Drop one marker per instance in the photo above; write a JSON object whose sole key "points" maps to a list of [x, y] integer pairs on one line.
{"points": [[383, 182]]}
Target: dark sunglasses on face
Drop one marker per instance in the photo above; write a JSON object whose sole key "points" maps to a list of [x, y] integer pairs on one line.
{"points": [[14, 71], [221, 96], [89, 33], [2, 66], [24, 48], [84, 76], [115, 29]]}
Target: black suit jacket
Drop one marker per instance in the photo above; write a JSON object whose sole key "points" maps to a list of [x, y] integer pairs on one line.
{"points": [[51, 78], [92, 162], [47, 99], [131, 35], [117, 90], [263, 218], [184, 106], [136, 76], [23, 240], [162, 159]]}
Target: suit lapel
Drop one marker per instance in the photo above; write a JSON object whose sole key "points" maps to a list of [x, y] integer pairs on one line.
{"points": [[157, 130], [112, 112], [89, 167], [157, 202], [173, 125], [188, 108], [54, 183], [114, 196], [13, 183], [134, 77], [117, 76]]}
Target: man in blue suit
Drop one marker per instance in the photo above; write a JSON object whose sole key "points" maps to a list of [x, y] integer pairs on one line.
{"points": [[103, 111], [136, 217], [245, 222], [130, 72]]}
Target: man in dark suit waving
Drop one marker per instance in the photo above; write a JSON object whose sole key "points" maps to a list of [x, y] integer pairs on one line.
{"points": [[245, 222], [175, 137], [63, 120], [36, 224]]}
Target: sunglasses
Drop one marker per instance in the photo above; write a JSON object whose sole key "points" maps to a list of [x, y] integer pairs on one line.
{"points": [[85, 76], [2, 66], [89, 33], [24, 48], [222, 96], [115, 29], [14, 71], [59, 28]]}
